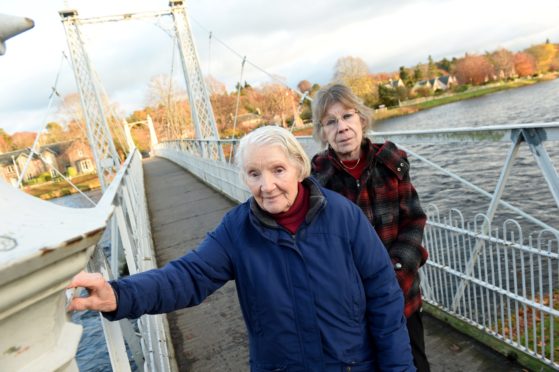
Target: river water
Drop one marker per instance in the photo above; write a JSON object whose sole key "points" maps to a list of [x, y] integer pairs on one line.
{"points": [[478, 164], [481, 163]]}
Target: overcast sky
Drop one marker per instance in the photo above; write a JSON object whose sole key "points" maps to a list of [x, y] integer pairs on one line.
{"points": [[291, 39]]}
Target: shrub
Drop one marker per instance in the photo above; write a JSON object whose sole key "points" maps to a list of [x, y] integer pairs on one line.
{"points": [[71, 172]]}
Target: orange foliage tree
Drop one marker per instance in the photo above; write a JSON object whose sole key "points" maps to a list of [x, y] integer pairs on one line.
{"points": [[474, 69], [524, 64], [544, 55]]}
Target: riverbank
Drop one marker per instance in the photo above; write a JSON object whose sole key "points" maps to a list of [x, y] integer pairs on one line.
{"points": [[57, 189], [413, 106]]}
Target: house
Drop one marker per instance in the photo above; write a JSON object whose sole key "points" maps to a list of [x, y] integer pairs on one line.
{"points": [[440, 83], [395, 84], [422, 84], [53, 158]]}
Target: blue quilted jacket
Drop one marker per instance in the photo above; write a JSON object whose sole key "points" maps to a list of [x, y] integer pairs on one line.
{"points": [[324, 299]]}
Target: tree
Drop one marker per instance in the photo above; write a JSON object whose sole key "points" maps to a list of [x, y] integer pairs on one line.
{"points": [[444, 64], [172, 112], [215, 86], [431, 68], [406, 77], [304, 86], [277, 103], [55, 133], [474, 69], [543, 55], [417, 73], [21, 140], [503, 63], [348, 68], [389, 96], [524, 64], [5, 142]]}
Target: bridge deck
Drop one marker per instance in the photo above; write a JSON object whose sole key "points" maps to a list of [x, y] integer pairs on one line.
{"points": [[212, 336]]}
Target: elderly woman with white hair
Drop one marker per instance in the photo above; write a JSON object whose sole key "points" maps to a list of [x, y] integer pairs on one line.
{"points": [[315, 284]]}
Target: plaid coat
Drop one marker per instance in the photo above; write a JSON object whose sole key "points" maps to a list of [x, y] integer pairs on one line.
{"points": [[390, 202]]}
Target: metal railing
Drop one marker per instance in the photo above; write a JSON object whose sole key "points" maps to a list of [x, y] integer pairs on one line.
{"points": [[131, 237], [498, 283]]}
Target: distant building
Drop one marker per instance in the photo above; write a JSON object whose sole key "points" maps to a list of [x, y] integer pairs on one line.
{"points": [[395, 84], [441, 83], [57, 156]]}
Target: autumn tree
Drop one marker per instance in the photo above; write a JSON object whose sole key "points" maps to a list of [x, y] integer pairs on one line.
{"points": [[5, 141], [21, 140], [503, 63], [172, 112], [524, 64], [348, 68], [215, 86], [54, 133], [277, 103], [473, 69], [304, 86], [544, 55]]}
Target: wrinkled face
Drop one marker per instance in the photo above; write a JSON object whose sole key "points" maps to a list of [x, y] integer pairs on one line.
{"points": [[271, 177], [341, 128]]}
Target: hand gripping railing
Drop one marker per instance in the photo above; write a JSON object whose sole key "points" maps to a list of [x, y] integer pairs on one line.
{"points": [[489, 282]]}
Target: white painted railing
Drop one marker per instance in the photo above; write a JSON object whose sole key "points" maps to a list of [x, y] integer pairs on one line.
{"points": [[43, 245], [499, 285]]}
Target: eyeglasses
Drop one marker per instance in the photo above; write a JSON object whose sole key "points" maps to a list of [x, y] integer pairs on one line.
{"points": [[333, 122]]}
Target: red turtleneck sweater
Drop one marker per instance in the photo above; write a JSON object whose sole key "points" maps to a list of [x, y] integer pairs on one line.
{"points": [[295, 215]]}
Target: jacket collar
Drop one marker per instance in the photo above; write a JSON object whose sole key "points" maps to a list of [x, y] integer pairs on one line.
{"points": [[386, 153]]}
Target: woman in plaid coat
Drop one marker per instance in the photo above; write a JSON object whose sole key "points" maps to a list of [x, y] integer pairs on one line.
{"points": [[376, 178]]}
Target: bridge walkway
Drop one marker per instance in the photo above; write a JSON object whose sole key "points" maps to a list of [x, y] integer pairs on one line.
{"points": [[212, 337]]}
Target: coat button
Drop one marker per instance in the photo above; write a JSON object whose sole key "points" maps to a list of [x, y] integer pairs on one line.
{"points": [[397, 266], [399, 169]]}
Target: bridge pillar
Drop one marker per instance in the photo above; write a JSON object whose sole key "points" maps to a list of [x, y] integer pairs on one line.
{"points": [[202, 115], [93, 100]]}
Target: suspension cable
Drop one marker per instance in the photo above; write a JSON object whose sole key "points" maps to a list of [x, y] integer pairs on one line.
{"points": [[237, 105], [274, 78], [53, 93], [61, 175], [209, 53]]}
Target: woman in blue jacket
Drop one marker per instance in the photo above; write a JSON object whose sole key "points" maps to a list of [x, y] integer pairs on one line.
{"points": [[316, 286]]}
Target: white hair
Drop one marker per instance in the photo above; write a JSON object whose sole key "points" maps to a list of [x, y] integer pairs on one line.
{"points": [[274, 135]]}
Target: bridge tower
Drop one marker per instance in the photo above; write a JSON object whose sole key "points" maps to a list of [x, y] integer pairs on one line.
{"points": [[202, 115], [93, 100]]}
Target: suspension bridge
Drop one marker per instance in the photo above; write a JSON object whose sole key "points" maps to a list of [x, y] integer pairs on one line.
{"points": [[497, 286]]}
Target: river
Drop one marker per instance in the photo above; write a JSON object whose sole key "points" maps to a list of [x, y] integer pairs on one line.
{"points": [[480, 165]]}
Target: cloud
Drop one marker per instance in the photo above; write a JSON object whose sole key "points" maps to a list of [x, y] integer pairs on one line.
{"points": [[294, 39]]}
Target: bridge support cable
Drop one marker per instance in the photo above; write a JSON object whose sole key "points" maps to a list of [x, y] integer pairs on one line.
{"points": [[202, 115], [36, 142], [237, 105], [106, 157]]}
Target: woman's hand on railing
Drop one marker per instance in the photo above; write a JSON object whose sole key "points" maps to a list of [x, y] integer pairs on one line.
{"points": [[101, 295]]}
